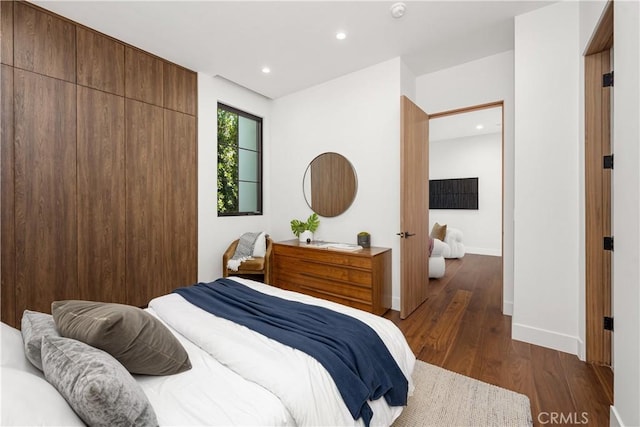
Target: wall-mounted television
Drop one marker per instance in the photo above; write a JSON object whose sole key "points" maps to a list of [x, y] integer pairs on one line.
{"points": [[458, 193]]}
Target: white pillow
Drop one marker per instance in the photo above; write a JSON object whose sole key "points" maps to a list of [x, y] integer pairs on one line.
{"points": [[28, 400], [12, 351], [260, 248]]}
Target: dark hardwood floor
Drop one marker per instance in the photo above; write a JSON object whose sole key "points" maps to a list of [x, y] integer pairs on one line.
{"points": [[461, 328]]}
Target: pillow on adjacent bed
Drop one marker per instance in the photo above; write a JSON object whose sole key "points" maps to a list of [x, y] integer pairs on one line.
{"points": [[135, 338], [97, 387], [34, 326]]}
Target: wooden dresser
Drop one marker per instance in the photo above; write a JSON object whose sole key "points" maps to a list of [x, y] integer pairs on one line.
{"points": [[359, 279]]}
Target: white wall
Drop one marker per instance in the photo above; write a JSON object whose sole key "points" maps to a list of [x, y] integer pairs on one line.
{"points": [[486, 80], [626, 212], [215, 233], [546, 246], [476, 156], [358, 116]]}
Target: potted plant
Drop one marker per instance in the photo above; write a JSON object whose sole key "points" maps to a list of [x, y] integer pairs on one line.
{"points": [[304, 229]]}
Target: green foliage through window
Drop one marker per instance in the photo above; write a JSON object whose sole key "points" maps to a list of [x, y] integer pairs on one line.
{"points": [[239, 162]]}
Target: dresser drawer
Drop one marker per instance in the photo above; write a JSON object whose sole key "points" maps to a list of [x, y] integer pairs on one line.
{"points": [[304, 283], [306, 268], [350, 259]]}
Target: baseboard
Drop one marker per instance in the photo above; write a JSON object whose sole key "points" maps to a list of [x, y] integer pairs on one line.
{"points": [[614, 417], [545, 338], [582, 350], [507, 308], [482, 251], [395, 303]]}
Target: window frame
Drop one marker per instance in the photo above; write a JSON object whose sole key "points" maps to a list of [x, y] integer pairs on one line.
{"points": [[259, 148]]}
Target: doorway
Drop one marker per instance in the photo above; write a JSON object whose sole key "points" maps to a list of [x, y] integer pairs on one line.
{"points": [[469, 143]]}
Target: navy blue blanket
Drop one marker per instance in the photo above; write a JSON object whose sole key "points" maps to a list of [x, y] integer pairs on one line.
{"points": [[353, 353]]}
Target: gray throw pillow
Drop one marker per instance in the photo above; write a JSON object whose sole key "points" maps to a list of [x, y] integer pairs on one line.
{"points": [[135, 338], [34, 326], [96, 386]]}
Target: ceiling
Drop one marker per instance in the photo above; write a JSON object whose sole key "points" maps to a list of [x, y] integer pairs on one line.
{"points": [[465, 124], [296, 39]]}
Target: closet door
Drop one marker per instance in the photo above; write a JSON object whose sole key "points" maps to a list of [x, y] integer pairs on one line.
{"points": [[45, 191], [7, 236], [44, 43], [144, 202], [6, 26], [100, 62], [101, 196], [180, 173]]}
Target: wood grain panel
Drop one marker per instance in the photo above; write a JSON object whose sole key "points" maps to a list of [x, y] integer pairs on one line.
{"points": [[43, 43], [101, 196], [144, 200], [7, 236], [180, 199], [6, 32], [100, 62], [180, 89], [414, 208], [143, 77], [45, 191], [597, 208]]}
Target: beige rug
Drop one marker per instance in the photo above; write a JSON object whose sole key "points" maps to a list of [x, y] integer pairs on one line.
{"points": [[445, 398]]}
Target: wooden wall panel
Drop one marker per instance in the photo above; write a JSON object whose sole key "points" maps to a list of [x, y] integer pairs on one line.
{"points": [[143, 77], [144, 200], [6, 32], [45, 191], [100, 62], [101, 196], [181, 215], [180, 89], [7, 236], [43, 43]]}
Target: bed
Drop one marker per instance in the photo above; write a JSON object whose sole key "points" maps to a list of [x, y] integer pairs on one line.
{"points": [[237, 376]]}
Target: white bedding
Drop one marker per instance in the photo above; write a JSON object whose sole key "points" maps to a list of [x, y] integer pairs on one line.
{"points": [[293, 384], [235, 387]]}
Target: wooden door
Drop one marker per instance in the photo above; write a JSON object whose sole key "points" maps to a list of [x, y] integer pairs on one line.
{"points": [[101, 193], [414, 206], [45, 191], [180, 195], [598, 191], [144, 181]]}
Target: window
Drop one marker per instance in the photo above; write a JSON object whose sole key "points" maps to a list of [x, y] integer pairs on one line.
{"points": [[239, 162]]}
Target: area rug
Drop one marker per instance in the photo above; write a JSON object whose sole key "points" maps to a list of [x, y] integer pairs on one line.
{"points": [[445, 398]]}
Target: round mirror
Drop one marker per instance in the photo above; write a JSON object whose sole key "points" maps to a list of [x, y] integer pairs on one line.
{"points": [[330, 184]]}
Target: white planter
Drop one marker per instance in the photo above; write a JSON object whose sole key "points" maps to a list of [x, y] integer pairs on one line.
{"points": [[306, 236]]}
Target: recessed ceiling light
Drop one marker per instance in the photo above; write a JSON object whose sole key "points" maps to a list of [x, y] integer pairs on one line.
{"points": [[341, 35], [266, 70], [480, 127]]}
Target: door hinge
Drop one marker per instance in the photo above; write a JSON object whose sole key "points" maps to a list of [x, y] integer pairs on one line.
{"points": [[608, 243], [608, 323], [607, 162], [607, 79]]}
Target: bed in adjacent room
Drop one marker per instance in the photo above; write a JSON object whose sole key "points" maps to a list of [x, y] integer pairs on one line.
{"points": [[238, 376]]}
